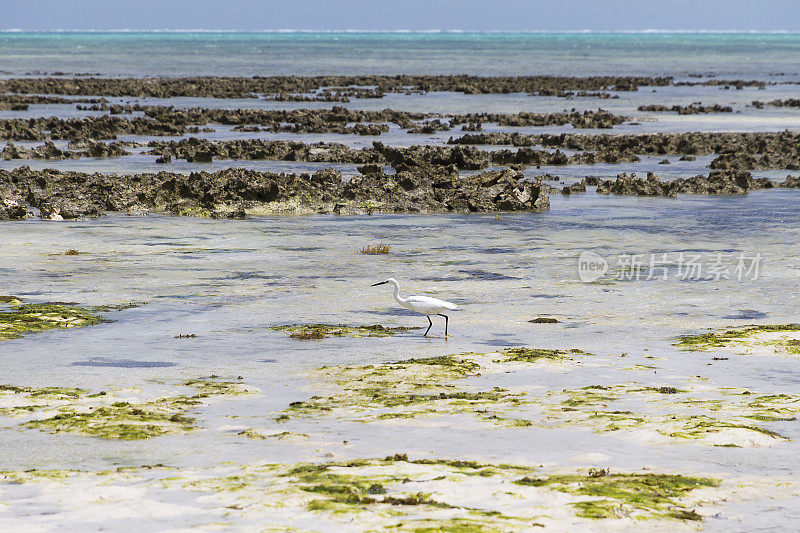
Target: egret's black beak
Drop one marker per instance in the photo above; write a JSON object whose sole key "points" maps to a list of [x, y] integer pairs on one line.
{"points": [[376, 284]]}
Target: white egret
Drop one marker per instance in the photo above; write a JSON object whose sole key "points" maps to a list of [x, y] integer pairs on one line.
{"points": [[424, 305]]}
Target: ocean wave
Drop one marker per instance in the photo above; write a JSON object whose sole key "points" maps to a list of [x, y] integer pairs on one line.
{"points": [[404, 31]]}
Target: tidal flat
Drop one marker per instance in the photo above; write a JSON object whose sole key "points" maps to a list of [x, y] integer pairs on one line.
{"points": [[199, 404], [189, 336]]}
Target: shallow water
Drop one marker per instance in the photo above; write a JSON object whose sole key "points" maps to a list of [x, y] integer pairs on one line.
{"points": [[228, 281]]}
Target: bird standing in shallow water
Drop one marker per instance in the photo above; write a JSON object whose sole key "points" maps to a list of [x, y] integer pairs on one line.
{"points": [[424, 305]]}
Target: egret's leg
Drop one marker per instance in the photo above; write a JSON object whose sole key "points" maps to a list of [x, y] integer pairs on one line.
{"points": [[446, 320], [430, 324]]}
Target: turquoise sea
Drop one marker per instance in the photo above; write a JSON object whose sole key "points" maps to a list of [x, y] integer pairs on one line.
{"points": [[751, 55]]}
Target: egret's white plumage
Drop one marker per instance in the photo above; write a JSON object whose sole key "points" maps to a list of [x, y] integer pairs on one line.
{"points": [[424, 305]]}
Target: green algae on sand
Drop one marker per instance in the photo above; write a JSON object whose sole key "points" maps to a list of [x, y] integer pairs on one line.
{"points": [[119, 421], [20, 401], [321, 331], [645, 496], [398, 493], [420, 388], [106, 416], [529, 355], [253, 434], [716, 417], [408, 389], [404, 494], [416, 391], [214, 386], [752, 339], [18, 318], [395, 492], [22, 318]]}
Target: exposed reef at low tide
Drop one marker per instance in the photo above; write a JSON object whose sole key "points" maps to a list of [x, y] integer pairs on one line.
{"points": [[233, 87], [236, 192]]}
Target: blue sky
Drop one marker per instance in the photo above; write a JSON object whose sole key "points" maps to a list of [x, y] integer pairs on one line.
{"points": [[484, 15]]}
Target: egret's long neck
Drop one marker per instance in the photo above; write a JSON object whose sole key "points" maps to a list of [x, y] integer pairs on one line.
{"points": [[400, 299]]}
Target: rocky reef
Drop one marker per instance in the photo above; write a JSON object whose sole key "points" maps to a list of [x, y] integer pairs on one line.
{"points": [[420, 183], [788, 102], [234, 192], [462, 157], [691, 109], [738, 151], [717, 182], [12, 210], [162, 121], [102, 127], [588, 119], [337, 118], [50, 151], [232, 87], [21, 102]]}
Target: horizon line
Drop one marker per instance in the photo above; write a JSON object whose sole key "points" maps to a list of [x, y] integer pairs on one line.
{"points": [[408, 31]]}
